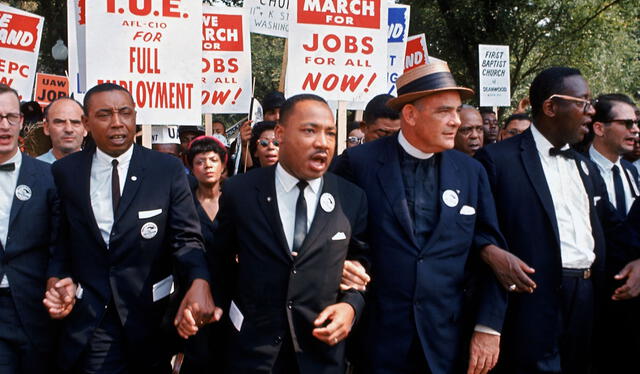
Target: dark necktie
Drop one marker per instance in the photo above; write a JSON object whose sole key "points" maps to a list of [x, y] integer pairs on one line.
{"points": [[621, 205], [115, 186], [567, 153], [8, 167], [300, 226]]}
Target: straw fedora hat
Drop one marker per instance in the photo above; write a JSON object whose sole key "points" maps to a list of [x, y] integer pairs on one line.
{"points": [[426, 80]]}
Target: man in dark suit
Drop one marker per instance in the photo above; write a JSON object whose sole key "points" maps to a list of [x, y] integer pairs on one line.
{"points": [[128, 222], [430, 212], [554, 211], [290, 228], [28, 223]]}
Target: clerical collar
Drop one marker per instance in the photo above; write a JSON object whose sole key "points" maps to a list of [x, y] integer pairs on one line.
{"points": [[411, 150]]}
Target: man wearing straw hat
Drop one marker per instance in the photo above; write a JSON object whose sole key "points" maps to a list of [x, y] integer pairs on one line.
{"points": [[430, 213]]}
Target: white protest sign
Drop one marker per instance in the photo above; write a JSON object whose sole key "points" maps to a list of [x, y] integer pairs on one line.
{"points": [[337, 49], [20, 35], [268, 17], [416, 53], [153, 49], [397, 39], [76, 18], [226, 60], [495, 86]]}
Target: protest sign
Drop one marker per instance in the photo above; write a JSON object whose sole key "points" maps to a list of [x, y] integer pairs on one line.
{"points": [[226, 60], [268, 17], [50, 87], [495, 86], [337, 49], [20, 35], [396, 47], [416, 53], [153, 49], [76, 18]]}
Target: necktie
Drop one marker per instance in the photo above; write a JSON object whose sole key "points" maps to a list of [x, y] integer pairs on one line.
{"points": [[567, 153], [8, 167], [300, 226], [115, 187], [621, 205]]}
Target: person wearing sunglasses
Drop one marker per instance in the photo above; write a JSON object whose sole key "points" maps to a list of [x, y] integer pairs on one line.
{"points": [[263, 144], [354, 134]]}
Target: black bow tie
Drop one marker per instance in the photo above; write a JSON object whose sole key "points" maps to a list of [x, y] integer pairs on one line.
{"points": [[566, 153], [8, 167]]}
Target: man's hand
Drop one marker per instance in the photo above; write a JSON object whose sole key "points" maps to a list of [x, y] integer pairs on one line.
{"points": [[631, 288], [484, 351], [59, 297], [340, 319], [196, 309], [509, 269], [354, 276]]}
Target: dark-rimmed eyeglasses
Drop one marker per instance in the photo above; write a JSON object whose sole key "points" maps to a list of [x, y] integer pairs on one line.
{"points": [[354, 140], [587, 103], [12, 118], [628, 123], [265, 142]]}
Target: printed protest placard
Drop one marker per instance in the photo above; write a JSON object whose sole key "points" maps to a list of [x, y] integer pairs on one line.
{"points": [[50, 87], [226, 60], [152, 48], [495, 86], [416, 53], [268, 17], [76, 20], [337, 49], [20, 35], [397, 39]]}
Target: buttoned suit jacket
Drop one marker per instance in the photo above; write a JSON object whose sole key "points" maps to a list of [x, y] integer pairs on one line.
{"points": [[277, 293], [33, 227], [156, 194], [422, 291]]}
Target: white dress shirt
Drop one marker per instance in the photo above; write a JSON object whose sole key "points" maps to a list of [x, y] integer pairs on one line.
{"points": [[604, 165], [411, 150], [571, 205], [8, 182], [287, 196], [47, 157], [100, 188]]}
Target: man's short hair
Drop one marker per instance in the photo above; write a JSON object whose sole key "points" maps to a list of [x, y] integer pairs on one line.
{"points": [[6, 89], [48, 107], [377, 108], [605, 104], [486, 110], [516, 117], [272, 100], [290, 103], [550, 81], [104, 87]]}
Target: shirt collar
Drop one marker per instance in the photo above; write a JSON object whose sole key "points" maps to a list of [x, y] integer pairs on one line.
{"points": [[542, 144], [288, 181], [124, 158], [411, 150], [16, 160], [602, 161]]}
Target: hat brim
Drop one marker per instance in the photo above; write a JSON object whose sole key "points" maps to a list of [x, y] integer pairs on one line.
{"points": [[402, 100]]}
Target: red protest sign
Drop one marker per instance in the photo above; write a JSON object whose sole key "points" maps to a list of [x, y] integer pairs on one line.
{"points": [[222, 32], [18, 31], [50, 87], [360, 13], [416, 53]]}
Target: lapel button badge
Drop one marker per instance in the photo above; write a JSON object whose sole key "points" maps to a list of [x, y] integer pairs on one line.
{"points": [[23, 192], [450, 198], [327, 202]]}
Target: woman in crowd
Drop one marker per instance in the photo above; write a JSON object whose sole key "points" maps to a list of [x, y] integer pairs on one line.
{"points": [[263, 145]]}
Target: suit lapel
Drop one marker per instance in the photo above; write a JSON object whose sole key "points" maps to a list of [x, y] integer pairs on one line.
{"points": [[449, 180], [26, 177], [533, 167], [268, 203], [133, 181], [84, 186], [390, 178], [321, 218]]}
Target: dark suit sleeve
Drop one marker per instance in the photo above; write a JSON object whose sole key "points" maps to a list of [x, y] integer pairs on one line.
{"points": [[184, 229], [341, 166], [60, 261], [358, 250]]}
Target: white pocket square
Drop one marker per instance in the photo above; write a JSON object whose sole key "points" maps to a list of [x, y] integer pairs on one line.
{"points": [[144, 214], [339, 236], [596, 199], [467, 210]]}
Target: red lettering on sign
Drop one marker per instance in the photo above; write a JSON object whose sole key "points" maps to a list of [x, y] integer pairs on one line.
{"points": [[222, 32], [18, 31], [351, 13]]}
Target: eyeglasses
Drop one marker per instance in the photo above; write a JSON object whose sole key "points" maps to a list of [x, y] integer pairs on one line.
{"points": [[12, 118], [265, 142], [587, 103], [354, 140], [628, 123]]}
